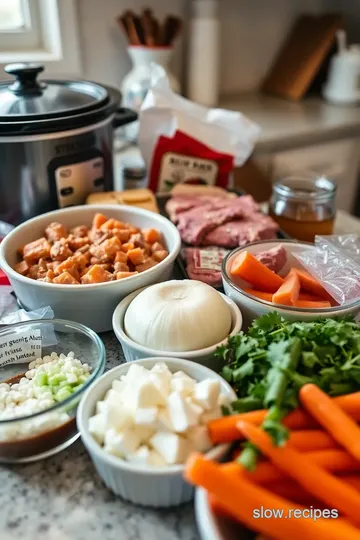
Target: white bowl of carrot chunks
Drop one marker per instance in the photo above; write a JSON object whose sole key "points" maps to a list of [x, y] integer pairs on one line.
{"points": [[87, 301], [311, 483], [290, 290]]}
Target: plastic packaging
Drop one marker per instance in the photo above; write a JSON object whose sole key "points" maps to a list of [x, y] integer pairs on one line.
{"points": [[21, 315], [335, 262], [185, 142]]}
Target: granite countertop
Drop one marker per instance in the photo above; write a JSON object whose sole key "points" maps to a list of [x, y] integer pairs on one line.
{"points": [[63, 498]]}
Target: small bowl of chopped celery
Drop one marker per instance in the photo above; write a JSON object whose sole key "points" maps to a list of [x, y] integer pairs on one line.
{"points": [[45, 367]]}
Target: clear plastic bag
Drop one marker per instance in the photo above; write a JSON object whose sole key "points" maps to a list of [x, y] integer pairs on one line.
{"points": [[335, 262]]}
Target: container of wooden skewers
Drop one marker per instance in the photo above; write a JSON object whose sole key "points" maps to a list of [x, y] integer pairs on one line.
{"points": [[150, 40]]}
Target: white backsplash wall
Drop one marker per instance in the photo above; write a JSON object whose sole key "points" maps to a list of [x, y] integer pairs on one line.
{"points": [[252, 32]]}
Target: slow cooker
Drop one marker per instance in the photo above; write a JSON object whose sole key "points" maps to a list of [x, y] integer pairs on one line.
{"points": [[56, 141]]}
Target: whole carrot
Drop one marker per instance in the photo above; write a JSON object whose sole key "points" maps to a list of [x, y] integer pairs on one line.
{"points": [[225, 429], [339, 424], [308, 474], [307, 440], [336, 461], [241, 498]]}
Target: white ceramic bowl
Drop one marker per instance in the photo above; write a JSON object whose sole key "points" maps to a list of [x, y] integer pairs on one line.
{"points": [[91, 305], [158, 487], [252, 307], [212, 527], [134, 351]]}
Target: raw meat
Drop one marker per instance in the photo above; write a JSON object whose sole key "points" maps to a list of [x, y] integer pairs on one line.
{"points": [[210, 276], [194, 224], [274, 258], [242, 232], [181, 203]]}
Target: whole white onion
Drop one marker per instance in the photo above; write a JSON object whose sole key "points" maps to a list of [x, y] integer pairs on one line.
{"points": [[177, 316]]}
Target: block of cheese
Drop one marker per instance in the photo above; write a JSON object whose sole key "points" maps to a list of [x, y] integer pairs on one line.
{"points": [[142, 198]]}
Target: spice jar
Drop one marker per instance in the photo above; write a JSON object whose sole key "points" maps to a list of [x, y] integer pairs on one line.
{"points": [[304, 206]]}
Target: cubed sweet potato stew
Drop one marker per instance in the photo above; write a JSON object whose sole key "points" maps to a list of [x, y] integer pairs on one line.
{"points": [[108, 251]]}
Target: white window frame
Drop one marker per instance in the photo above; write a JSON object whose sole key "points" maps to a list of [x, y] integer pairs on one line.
{"points": [[56, 43]]}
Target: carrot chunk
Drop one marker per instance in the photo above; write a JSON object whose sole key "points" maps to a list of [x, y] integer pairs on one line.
{"points": [[121, 257], [65, 279], [247, 267], [127, 247], [151, 236], [310, 284], [312, 305], [289, 291], [99, 219], [136, 256], [259, 294], [96, 274], [122, 275]]}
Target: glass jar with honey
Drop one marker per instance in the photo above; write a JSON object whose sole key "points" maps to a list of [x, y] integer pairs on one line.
{"points": [[304, 206]]}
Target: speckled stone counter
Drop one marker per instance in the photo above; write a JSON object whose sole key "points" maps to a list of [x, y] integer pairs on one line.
{"points": [[62, 498]]}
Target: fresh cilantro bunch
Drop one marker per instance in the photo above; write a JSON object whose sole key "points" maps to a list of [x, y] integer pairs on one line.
{"points": [[329, 358], [269, 364]]}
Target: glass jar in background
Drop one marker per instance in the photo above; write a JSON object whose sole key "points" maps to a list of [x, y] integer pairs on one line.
{"points": [[304, 206], [134, 177]]}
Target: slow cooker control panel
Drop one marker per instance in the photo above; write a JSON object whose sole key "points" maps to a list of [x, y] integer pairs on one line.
{"points": [[74, 181]]}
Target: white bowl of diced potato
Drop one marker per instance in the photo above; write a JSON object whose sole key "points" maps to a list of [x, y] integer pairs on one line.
{"points": [[156, 483], [90, 303]]}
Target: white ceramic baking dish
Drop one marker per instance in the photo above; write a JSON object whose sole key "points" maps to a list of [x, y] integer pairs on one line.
{"points": [[160, 486]]}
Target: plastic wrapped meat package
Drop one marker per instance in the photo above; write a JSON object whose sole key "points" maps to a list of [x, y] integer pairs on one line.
{"points": [[335, 262]]}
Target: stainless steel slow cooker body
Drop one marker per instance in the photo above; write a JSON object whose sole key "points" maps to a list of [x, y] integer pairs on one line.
{"points": [[56, 141]]}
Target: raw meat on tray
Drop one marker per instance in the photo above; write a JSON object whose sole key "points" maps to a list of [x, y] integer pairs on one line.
{"points": [[204, 264], [216, 220], [242, 232], [223, 221]]}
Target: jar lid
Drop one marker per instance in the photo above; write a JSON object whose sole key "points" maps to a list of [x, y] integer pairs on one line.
{"points": [[134, 173], [27, 98], [305, 188]]}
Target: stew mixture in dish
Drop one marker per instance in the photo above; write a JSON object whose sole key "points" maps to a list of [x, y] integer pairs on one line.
{"points": [[108, 251]]}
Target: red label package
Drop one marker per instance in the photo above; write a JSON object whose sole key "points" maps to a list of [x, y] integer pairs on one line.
{"points": [[183, 142], [183, 159]]}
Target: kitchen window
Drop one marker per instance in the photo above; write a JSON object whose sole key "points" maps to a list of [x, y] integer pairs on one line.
{"points": [[43, 31]]}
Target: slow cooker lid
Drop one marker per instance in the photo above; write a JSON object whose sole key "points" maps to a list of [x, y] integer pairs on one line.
{"points": [[28, 99]]}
